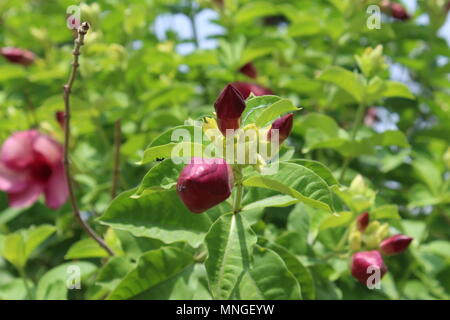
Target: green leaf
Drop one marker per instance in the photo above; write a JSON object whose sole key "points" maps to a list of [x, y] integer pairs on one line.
{"points": [[320, 169], [254, 106], [86, 248], [113, 271], [338, 219], [153, 268], [159, 215], [166, 136], [254, 10], [346, 80], [300, 272], [163, 176], [397, 89], [389, 138], [385, 212], [19, 246], [268, 279], [172, 150], [9, 72], [230, 244], [273, 111], [298, 182], [50, 285], [15, 290], [428, 172], [185, 286], [278, 200], [89, 248]]}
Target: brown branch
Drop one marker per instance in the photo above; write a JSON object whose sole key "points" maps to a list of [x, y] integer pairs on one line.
{"points": [[116, 168], [82, 30]]}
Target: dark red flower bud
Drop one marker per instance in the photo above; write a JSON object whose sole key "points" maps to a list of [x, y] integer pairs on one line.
{"points": [[364, 263], [246, 88], [204, 183], [399, 12], [59, 115], [229, 107], [362, 221], [19, 56], [395, 244], [249, 70], [284, 127]]}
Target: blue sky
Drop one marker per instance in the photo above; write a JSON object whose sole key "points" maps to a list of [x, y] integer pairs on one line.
{"points": [[180, 24]]}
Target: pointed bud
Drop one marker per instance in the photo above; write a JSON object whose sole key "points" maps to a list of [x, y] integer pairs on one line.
{"points": [[204, 183], [246, 88], [395, 244], [399, 12], [249, 70], [19, 56], [362, 221], [364, 263], [229, 107], [59, 116], [284, 127]]}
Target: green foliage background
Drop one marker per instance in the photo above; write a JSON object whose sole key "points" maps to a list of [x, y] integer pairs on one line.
{"points": [[310, 57]]}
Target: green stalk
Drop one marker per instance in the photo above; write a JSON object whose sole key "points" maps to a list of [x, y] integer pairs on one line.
{"points": [[27, 287], [237, 171], [356, 124], [238, 198]]}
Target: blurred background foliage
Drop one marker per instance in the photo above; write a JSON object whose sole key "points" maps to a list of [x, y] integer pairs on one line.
{"points": [[153, 64]]}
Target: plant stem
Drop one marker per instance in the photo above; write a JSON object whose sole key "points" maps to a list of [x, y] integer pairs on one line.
{"points": [[344, 167], [67, 90], [356, 124], [358, 120], [23, 275], [239, 189], [116, 168], [238, 198]]}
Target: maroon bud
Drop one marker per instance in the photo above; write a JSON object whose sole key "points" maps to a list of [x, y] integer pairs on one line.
{"points": [[204, 183], [19, 56], [395, 244], [246, 88], [59, 115], [249, 70], [362, 221], [447, 7], [364, 263], [229, 107], [284, 127], [399, 12]]}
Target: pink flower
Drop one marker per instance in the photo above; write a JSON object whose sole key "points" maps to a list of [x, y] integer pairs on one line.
{"points": [[31, 163], [246, 88], [365, 262], [19, 56], [204, 183], [395, 244]]}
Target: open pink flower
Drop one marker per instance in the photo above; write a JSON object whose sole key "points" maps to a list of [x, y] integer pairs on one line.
{"points": [[31, 163]]}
